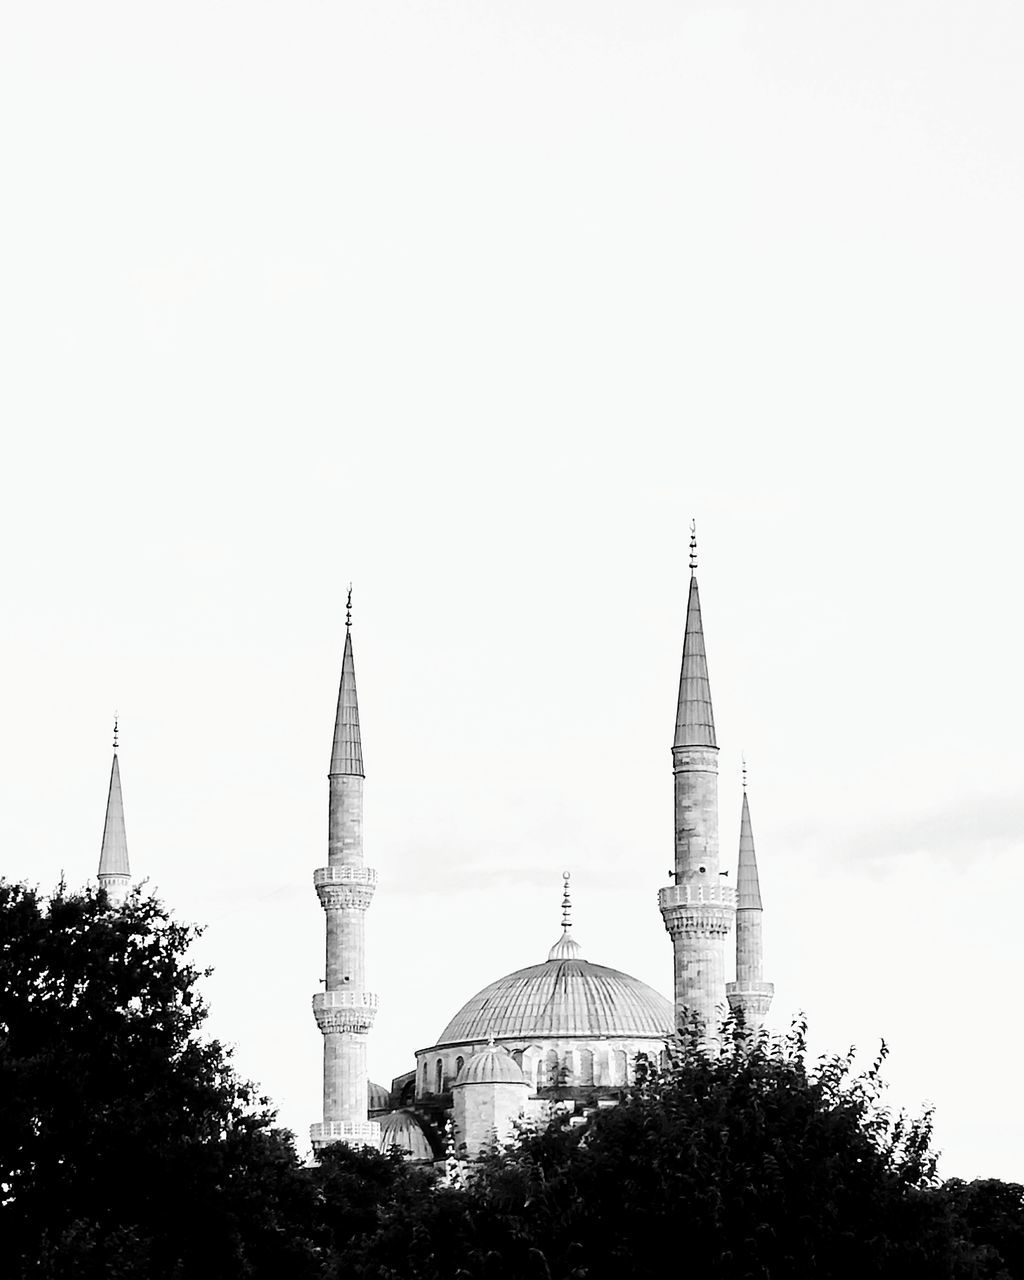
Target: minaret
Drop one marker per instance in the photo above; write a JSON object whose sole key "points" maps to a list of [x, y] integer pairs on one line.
{"points": [[698, 908], [749, 994], [345, 1009], [113, 874]]}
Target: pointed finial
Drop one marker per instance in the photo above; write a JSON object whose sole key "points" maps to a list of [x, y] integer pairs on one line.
{"points": [[348, 609], [744, 759], [693, 546], [566, 902], [115, 730]]}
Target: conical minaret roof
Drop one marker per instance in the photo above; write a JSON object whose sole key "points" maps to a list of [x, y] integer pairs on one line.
{"points": [[347, 750], [695, 720], [114, 849], [748, 889]]}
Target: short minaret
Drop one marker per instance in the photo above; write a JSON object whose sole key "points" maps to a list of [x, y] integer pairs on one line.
{"points": [[698, 909], [345, 1009], [114, 874], [749, 995]]}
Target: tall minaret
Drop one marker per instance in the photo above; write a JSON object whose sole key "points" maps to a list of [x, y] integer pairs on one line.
{"points": [[749, 994], [345, 1009], [113, 874], [698, 908]]}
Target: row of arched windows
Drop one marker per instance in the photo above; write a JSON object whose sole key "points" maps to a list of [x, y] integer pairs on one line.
{"points": [[544, 1069]]}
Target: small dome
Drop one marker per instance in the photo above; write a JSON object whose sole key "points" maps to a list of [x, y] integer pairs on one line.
{"points": [[403, 1129], [378, 1098], [493, 1065]]}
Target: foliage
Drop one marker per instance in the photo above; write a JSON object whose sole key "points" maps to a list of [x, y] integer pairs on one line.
{"points": [[128, 1147], [990, 1214], [742, 1160]]}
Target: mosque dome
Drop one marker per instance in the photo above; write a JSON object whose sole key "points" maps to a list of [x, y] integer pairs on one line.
{"points": [[562, 997], [404, 1129], [378, 1098], [565, 996], [492, 1065]]}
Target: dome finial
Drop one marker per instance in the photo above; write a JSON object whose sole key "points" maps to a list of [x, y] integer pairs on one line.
{"points": [[566, 948], [348, 609], [693, 546], [115, 730]]}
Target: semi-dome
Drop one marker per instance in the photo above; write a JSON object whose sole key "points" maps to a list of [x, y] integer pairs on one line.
{"points": [[404, 1129], [492, 1065], [378, 1098], [565, 996]]}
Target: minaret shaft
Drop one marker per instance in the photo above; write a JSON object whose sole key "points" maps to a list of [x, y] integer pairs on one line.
{"points": [[698, 908], [345, 1009]]}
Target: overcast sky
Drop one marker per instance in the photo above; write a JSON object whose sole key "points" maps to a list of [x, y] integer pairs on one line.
{"points": [[475, 305]]}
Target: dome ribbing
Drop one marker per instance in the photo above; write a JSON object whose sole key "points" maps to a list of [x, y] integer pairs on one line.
{"points": [[562, 997]]}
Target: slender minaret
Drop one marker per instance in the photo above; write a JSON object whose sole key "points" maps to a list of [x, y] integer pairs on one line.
{"points": [[113, 874], [345, 1009], [749, 995], [698, 908]]}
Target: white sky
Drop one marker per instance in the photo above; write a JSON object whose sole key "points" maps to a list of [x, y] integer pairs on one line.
{"points": [[476, 304]]}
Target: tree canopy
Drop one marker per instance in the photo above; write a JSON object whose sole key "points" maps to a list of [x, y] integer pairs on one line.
{"points": [[128, 1146]]}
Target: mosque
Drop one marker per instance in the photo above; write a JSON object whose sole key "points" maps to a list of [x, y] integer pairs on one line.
{"points": [[560, 1035]]}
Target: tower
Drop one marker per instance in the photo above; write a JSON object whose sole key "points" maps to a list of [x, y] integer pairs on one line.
{"points": [[749, 994], [345, 1010], [698, 908], [113, 874]]}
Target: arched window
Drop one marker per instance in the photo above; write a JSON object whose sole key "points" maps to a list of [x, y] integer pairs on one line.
{"points": [[532, 1060], [439, 1076], [551, 1069], [460, 1062], [586, 1066], [517, 1057], [426, 1076], [619, 1061]]}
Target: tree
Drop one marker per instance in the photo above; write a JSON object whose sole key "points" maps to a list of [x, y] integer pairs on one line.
{"points": [[128, 1146], [990, 1214], [745, 1160]]}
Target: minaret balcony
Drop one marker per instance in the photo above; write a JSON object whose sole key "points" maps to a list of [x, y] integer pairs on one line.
{"points": [[345, 1010], [345, 888], [355, 1133], [698, 909], [677, 895]]}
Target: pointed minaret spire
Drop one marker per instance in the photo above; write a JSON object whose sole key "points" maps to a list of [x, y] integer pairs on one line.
{"points": [[695, 720], [347, 751], [345, 1009], [698, 907], [566, 948], [749, 994], [114, 874]]}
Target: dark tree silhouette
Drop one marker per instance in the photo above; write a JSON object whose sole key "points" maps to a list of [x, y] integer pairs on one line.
{"points": [[746, 1160], [128, 1146]]}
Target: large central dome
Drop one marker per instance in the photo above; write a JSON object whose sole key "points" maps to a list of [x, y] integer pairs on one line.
{"points": [[565, 996]]}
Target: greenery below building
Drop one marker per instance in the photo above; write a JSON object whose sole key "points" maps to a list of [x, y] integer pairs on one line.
{"points": [[130, 1150]]}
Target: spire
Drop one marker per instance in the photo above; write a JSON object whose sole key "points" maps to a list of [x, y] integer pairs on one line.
{"points": [[114, 849], [347, 751], [695, 720], [748, 889], [566, 948]]}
